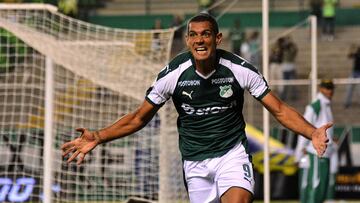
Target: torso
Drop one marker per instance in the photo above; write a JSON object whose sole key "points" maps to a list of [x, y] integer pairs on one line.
{"points": [[210, 118]]}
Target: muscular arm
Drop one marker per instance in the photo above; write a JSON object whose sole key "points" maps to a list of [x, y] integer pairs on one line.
{"points": [[129, 123], [287, 116], [126, 125], [294, 121]]}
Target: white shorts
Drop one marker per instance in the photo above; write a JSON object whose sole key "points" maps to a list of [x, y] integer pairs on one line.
{"points": [[208, 180]]}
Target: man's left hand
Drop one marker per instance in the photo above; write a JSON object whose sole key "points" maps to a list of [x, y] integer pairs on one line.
{"points": [[319, 139]]}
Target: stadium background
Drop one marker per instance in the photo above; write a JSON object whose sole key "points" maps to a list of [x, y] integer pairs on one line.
{"points": [[284, 13]]}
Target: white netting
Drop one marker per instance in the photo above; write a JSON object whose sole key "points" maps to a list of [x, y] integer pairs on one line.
{"points": [[100, 74]]}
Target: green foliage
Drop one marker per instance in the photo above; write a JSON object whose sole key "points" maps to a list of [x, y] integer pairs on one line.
{"points": [[12, 50]]}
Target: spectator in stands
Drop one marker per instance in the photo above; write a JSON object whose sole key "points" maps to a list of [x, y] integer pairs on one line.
{"points": [[290, 51], [250, 48], [334, 168], [354, 54], [205, 6], [178, 43], [87, 7], [207, 86], [254, 45], [316, 9], [158, 24], [245, 48], [276, 59], [68, 7], [237, 37], [156, 42], [328, 14], [177, 22], [313, 187]]}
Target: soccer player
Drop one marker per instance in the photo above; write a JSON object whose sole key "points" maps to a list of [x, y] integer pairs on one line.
{"points": [[207, 87], [316, 175]]}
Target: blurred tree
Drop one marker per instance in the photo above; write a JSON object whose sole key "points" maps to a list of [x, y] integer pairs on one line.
{"points": [[68, 7]]}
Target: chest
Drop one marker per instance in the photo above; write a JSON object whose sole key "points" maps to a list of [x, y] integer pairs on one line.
{"points": [[324, 116], [221, 87]]}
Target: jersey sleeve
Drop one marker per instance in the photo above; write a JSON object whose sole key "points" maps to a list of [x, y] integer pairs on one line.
{"points": [[162, 88], [248, 77], [164, 85], [252, 80], [256, 84]]}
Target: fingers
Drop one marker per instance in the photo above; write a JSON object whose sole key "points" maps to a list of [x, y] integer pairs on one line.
{"points": [[73, 156], [67, 148], [77, 154], [324, 139], [320, 139], [328, 125], [72, 146], [320, 154], [81, 158], [321, 150], [66, 145], [67, 151], [81, 130]]}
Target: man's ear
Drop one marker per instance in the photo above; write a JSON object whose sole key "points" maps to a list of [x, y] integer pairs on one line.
{"points": [[218, 38], [186, 39]]}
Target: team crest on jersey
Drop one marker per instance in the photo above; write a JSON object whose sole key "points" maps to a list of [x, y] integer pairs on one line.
{"points": [[226, 91]]}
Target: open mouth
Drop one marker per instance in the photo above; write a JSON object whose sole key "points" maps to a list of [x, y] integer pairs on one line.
{"points": [[201, 50]]}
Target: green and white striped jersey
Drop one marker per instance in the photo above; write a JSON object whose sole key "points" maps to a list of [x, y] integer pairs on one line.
{"points": [[210, 107]]}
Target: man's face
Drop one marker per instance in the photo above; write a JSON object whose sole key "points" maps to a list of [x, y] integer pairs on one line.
{"points": [[202, 40], [327, 92]]}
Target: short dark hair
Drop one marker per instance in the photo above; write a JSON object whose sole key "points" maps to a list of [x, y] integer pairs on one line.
{"points": [[203, 17], [327, 83]]}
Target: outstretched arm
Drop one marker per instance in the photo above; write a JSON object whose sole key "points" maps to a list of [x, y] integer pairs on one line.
{"points": [[291, 119], [126, 125]]}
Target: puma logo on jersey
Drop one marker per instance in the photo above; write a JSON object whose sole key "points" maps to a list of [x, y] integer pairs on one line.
{"points": [[187, 94]]}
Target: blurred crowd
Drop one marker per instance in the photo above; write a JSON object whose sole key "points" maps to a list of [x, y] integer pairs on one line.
{"points": [[80, 9], [282, 56], [325, 11]]}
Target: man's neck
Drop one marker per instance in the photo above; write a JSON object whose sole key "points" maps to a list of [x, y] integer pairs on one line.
{"points": [[206, 67]]}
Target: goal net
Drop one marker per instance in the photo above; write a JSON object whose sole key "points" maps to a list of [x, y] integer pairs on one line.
{"points": [[86, 76]]}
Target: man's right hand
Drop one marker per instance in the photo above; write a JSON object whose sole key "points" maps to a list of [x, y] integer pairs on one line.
{"points": [[80, 146]]}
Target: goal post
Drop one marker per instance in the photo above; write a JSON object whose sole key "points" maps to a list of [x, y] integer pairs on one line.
{"points": [[58, 73]]}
